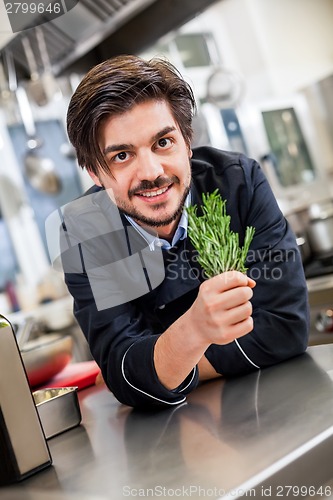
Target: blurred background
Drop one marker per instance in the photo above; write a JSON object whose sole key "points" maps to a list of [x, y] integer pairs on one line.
{"points": [[262, 73]]}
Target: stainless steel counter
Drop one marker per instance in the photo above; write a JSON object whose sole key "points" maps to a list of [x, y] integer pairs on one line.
{"points": [[267, 430]]}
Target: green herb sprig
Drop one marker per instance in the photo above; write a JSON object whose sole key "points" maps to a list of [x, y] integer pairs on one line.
{"points": [[217, 246]]}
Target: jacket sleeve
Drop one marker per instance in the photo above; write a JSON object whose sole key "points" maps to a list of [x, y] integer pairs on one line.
{"points": [[123, 347], [280, 301]]}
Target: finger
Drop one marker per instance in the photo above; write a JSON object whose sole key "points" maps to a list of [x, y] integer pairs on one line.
{"points": [[251, 283], [228, 280], [233, 298], [237, 314], [236, 331], [241, 329]]}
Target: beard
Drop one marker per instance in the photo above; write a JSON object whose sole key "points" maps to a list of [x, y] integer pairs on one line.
{"points": [[152, 221]]}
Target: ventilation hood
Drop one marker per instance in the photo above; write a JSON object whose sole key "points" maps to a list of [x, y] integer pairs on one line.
{"points": [[94, 30]]}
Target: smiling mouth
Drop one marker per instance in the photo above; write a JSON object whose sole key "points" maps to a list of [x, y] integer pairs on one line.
{"points": [[152, 194]]}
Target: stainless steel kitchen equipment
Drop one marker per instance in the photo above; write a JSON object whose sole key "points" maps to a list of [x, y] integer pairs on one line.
{"points": [[304, 247], [298, 222], [23, 448], [318, 268], [320, 228], [282, 134], [58, 409], [46, 356]]}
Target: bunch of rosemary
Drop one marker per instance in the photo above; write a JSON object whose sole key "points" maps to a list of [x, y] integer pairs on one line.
{"points": [[217, 246]]}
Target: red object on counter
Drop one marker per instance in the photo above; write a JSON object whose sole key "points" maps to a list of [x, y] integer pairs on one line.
{"points": [[81, 375]]}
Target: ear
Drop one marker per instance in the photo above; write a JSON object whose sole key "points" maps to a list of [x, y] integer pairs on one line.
{"points": [[94, 178], [190, 153]]}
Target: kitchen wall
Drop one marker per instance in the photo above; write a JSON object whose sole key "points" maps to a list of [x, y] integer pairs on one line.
{"points": [[281, 50], [280, 46]]}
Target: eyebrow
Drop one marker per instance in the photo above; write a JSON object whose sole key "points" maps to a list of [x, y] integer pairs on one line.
{"points": [[123, 147], [163, 132], [117, 147]]}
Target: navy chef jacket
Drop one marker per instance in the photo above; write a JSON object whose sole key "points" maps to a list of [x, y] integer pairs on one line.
{"points": [[122, 330]]}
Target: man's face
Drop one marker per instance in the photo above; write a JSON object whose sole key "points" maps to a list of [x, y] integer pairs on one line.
{"points": [[150, 164]]}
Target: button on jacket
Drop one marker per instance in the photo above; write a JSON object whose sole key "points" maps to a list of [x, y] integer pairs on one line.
{"points": [[122, 326]]}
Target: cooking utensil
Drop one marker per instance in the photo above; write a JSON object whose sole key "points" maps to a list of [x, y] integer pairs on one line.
{"points": [[36, 86], [4, 91], [8, 83], [40, 170], [320, 229], [304, 247], [43, 87], [51, 87], [298, 222]]}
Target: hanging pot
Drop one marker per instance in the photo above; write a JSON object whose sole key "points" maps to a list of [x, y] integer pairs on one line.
{"points": [[320, 229], [304, 247]]}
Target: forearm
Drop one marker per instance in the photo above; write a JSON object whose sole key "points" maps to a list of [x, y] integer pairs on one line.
{"points": [[177, 352]]}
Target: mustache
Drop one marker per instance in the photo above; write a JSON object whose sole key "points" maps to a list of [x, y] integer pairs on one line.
{"points": [[160, 182]]}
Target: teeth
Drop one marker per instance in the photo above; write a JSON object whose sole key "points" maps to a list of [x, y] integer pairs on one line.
{"points": [[151, 194]]}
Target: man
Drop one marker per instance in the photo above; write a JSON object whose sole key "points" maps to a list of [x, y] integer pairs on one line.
{"points": [[155, 337]]}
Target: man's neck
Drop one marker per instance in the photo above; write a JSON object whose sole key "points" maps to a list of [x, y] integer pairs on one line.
{"points": [[164, 232]]}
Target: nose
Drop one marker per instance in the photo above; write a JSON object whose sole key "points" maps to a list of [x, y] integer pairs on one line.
{"points": [[149, 166]]}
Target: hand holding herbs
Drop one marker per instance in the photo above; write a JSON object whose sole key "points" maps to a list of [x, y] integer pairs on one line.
{"points": [[210, 234]]}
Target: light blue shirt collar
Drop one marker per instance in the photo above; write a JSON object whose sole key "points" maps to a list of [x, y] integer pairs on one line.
{"points": [[180, 234]]}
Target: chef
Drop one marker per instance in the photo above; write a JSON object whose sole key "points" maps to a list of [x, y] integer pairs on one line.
{"points": [[155, 324]]}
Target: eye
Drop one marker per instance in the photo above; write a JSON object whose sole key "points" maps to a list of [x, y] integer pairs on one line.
{"points": [[120, 157], [164, 143]]}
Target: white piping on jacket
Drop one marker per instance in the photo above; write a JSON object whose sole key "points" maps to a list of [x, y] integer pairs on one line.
{"points": [[249, 360], [143, 392], [190, 382]]}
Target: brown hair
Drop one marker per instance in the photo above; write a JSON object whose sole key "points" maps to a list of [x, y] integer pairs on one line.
{"points": [[113, 87]]}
